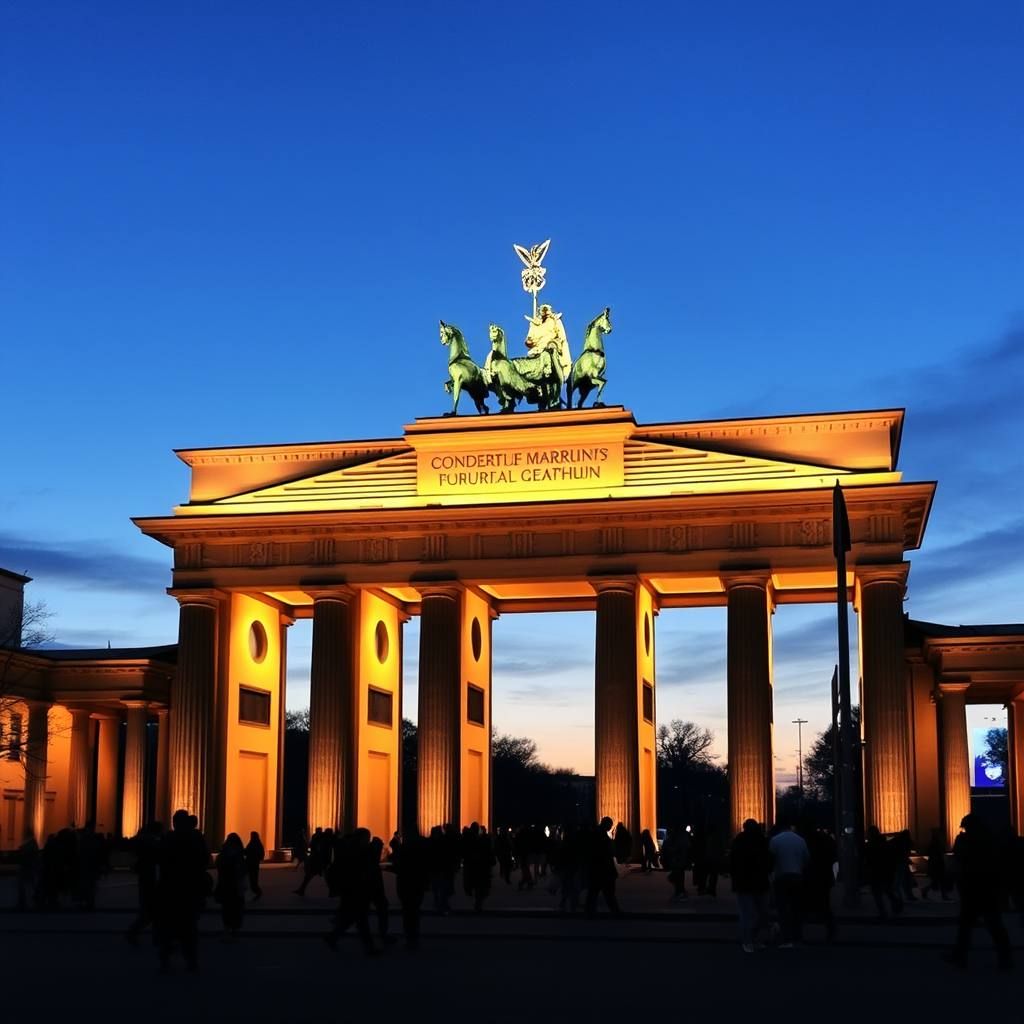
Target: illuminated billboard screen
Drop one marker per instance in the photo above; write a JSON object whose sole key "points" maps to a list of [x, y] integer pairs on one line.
{"points": [[987, 772]]}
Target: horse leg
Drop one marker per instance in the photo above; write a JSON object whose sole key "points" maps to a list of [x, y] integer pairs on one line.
{"points": [[584, 389], [456, 394], [597, 398]]}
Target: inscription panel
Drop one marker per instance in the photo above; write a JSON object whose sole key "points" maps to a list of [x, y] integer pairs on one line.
{"points": [[499, 471]]}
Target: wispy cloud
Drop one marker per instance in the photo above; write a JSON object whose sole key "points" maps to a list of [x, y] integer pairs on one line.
{"points": [[84, 564]]}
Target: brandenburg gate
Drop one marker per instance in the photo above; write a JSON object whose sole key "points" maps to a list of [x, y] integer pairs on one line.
{"points": [[464, 519]]}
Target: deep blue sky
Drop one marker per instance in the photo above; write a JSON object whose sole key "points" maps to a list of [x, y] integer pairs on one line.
{"points": [[239, 223]]}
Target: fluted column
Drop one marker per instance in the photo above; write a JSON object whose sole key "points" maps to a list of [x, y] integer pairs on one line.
{"points": [[885, 698], [134, 790], [107, 753], [1015, 757], [438, 733], [616, 724], [331, 799], [956, 760], [750, 710], [193, 705], [162, 802], [36, 757], [79, 768]]}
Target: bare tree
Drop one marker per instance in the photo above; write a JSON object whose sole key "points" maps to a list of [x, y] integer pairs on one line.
{"points": [[21, 631], [684, 745]]}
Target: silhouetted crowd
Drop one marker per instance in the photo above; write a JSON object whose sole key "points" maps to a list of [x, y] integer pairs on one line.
{"points": [[781, 881]]}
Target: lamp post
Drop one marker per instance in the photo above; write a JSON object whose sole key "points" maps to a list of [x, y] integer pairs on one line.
{"points": [[800, 723]]}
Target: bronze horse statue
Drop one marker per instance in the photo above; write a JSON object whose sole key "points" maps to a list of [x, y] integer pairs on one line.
{"points": [[588, 370], [463, 373], [536, 379]]}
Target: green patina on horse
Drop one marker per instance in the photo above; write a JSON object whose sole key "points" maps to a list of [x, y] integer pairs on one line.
{"points": [[536, 379], [463, 373], [588, 370]]}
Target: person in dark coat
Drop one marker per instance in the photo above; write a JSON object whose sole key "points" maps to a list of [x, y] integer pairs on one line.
{"points": [[378, 895], [820, 877], [938, 877], [352, 877], [411, 864], [623, 843], [478, 860], [146, 846], [232, 876], [254, 854], [879, 869], [749, 866], [181, 890], [503, 851], [648, 852], [979, 880], [602, 873]]}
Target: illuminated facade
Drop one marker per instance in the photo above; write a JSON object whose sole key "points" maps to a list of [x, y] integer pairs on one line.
{"points": [[465, 519]]}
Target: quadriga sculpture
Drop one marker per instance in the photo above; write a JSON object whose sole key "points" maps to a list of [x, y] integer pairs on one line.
{"points": [[463, 373], [588, 370], [536, 379]]}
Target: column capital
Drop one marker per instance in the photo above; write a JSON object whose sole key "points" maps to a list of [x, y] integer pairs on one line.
{"points": [[205, 598], [953, 689], [340, 594], [451, 590], [614, 584], [133, 703], [749, 580], [867, 575]]}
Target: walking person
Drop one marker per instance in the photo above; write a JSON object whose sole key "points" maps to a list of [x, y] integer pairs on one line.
{"points": [[352, 874], [648, 852], [254, 854], [28, 871], [979, 881], [229, 892], [878, 867], [790, 859], [938, 876], [147, 859], [821, 878], [675, 854], [411, 864], [602, 873], [182, 889], [623, 843], [749, 864]]}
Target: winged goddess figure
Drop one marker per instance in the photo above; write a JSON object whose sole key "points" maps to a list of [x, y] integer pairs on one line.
{"points": [[533, 273]]}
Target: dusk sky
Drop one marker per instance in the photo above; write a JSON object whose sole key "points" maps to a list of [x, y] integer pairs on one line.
{"points": [[235, 223]]}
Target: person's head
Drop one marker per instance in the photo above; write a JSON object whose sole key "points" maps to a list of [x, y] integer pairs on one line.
{"points": [[606, 824], [362, 836], [544, 311], [751, 827], [233, 841], [181, 820], [254, 837]]}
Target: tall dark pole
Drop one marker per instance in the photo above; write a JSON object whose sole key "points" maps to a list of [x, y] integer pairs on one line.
{"points": [[836, 760], [848, 836]]}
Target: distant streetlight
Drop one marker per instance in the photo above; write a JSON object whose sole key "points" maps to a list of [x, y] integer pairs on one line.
{"points": [[800, 723]]}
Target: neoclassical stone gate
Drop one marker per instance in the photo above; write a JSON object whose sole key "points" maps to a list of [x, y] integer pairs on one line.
{"points": [[463, 520]]}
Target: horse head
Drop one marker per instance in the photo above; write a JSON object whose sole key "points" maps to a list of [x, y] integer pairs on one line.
{"points": [[604, 322], [497, 336]]}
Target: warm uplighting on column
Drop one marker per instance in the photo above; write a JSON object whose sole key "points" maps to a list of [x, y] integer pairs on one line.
{"points": [[750, 711], [331, 795], [956, 760], [79, 766], [616, 725], [134, 769], [162, 810], [1015, 754], [193, 694], [439, 707], [885, 699], [36, 762]]}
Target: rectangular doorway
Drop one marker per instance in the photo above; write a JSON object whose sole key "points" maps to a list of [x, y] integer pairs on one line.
{"points": [[378, 810], [251, 814]]}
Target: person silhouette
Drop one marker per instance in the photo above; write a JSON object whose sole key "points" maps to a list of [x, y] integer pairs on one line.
{"points": [[749, 864], [979, 881], [601, 871], [352, 871], [232, 875], [254, 854], [411, 864], [182, 889], [146, 846]]}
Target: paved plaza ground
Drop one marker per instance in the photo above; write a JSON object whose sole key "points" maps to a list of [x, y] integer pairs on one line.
{"points": [[519, 960]]}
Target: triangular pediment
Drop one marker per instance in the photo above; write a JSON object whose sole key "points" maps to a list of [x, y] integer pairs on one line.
{"points": [[523, 467]]}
